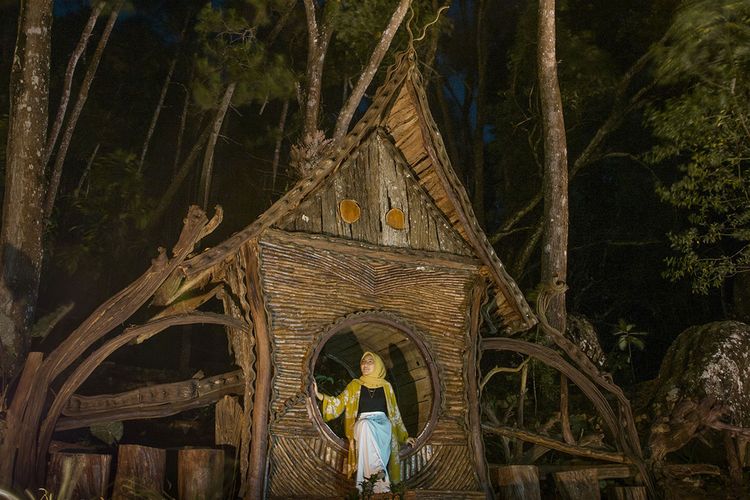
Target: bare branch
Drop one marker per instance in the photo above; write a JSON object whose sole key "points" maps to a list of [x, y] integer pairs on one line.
{"points": [[83, 95], [208, 158], [68, 82], [347, 112]]}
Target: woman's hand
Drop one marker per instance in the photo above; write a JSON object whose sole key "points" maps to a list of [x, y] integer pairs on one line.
{"points": [[315, 389], [410, 441]]}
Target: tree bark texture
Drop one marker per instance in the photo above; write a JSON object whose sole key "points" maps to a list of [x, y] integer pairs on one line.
{"points": [[78, 475], [140, 471], [83, 94], [200, 474], [555, 183], [317, 47], [22, 226]]}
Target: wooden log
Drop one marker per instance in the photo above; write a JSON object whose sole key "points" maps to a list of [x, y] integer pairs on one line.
{"points": [[603, 471], [547, 442], [140, 472], [13, 417], [228, 422], [78, 475], [627, 493], [200, 474], [517, 482], [577, 485]]}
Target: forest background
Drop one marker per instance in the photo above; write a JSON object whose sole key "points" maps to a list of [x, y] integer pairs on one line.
{"points": [[656, 113]]}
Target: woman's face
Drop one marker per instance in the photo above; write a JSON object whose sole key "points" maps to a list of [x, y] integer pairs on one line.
{"points": [[367, 365]]}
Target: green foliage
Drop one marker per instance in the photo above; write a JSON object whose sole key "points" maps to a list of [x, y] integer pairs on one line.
{"points": [[620, 360], [231, 51], [705, 131], [108, 432], [110, 214]]}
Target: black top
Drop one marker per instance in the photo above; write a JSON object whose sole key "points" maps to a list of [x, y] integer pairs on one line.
{"points": [[372, 400]]}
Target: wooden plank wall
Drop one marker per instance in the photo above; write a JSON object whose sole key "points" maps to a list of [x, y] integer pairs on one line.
{"points": [[378, 178], [307, 290]]}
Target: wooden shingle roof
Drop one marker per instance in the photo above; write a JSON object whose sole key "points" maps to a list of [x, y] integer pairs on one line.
{"points": [[400, 106]]}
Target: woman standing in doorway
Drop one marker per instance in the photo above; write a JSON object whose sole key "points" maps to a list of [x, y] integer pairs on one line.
{"points": [[372, 424]]}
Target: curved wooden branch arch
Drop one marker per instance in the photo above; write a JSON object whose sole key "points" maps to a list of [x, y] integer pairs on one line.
{"points": [[587, 386], [86, 368]]}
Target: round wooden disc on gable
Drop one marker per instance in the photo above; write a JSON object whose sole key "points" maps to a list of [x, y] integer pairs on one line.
{"points": [[349, 211], [408, 369], [396, 218]]}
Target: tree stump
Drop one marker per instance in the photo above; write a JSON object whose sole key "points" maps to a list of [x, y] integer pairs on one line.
{"points": [[140, 470], [627, 493], [518, 482], [200, 474], [82, 475], [578, 484]]}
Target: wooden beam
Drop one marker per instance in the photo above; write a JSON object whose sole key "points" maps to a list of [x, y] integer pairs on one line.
{"points": [[263, 379], [476, 443], [154, 401], [530, 437], [395, 254]]}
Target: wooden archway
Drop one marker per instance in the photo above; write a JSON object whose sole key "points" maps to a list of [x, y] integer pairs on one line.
{"points": [[410, 364]]}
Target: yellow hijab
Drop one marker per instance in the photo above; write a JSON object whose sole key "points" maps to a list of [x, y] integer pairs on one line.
{"points": [[377, 377]]}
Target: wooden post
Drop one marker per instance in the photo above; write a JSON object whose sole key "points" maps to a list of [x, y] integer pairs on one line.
{"points": [[14, 415], [627, 493], [476, 443], [263, 379], [518, 482], [200, 474], [228, 422], [577, 485], [86, 475], [140, 469]]}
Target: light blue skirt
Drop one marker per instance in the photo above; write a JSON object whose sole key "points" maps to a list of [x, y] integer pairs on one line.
{"points": [[372, 435]]}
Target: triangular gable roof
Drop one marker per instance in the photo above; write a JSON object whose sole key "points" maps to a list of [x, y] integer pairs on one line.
{"points": [[400, 106]]}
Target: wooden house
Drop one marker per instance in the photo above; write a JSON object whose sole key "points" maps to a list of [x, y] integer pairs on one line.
{"points": [[377, 249]]}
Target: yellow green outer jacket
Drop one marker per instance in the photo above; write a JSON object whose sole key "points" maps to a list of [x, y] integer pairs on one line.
{"points": [[348, 402]]}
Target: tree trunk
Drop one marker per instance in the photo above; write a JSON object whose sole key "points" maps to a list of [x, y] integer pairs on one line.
{"points": [[518, 482], [555, 183], [208, 157], [317, 47], [83, 94], [140, 472], [200, 474], [78, 475], [347, 112], [478, 139], [277, 148], [22, 226], [577, 485], [68, 83], [162, 96]]}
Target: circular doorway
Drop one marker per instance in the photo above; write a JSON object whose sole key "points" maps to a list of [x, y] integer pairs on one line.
{"points": [[409, 369]]}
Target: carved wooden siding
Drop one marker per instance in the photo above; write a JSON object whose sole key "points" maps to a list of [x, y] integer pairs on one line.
{"points": [[378, 179], [311, 282]]}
